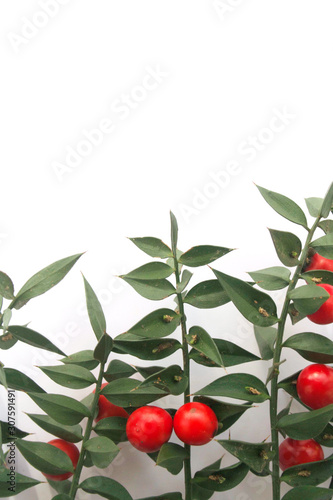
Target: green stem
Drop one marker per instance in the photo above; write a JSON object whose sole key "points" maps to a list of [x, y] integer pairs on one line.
{"points": [[276, 363], [186, 365], [86, 437]]}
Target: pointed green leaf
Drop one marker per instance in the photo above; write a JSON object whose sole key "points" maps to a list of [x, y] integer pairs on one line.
{"points": [[306, 425], [20, 382], [71, 433], [72, 376], [326, 226], [153, 247], [3, 380], [151, 289], [10, 488], [308, 493], [230, 353], [170, 379], [327, 203], [294, 314], [314, 206], [95, 311], [103, 349], [166, 496], [6, 286], [118, 369], [201, 341], [33, 338], [311, 346], [113, 428], [105, 487], [151, 271], [308, 298], [318, 276], [272, 278], [221, 479], [45, 457], [63, 409], [160, 323], [174, 233], [44, 280], [150, 349], [265, 339], [82, 358], [288, 247], [237, 385], [128, 392], [255, 455], [206, 295], [199, 493], [171, 456], [324, 246], [7, 340], [9, 432], [227, 413], [325, 438], [256, 306], [202, 255], [309, 474], [147, 371], [284, 206], [102, 451], [185, 279], [289, 385]]}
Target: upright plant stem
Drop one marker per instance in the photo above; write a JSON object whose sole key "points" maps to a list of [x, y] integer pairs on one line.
{"points": [[186, 365], [276, 363], [86, 437]]}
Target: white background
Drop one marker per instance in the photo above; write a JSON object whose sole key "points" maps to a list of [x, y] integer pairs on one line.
{"points": [[225, 72]]}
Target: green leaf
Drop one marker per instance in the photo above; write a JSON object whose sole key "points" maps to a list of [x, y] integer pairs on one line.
{"points": [[306, 425], [174, 233], [9, 432], [62, 496], [202, 255], [150, 349], [11, 488], [185, 279], [171, 456], [61, 487], [199, 493], [327, 203], [151, 271], [325, 438], [105, 487], [288, 247], [63, 409], [33, 338], [166, 496], [237, 385], [318, 276], [308, 298], [151, 289], [7, 340], [3, 380], [147, 371], [265, 339], [256, 456], [118, 369], [311, 346], [159, 323], [272, 278], [221, 479], [6, 286], [72, 376], [95, 311], [230, 353], [227, 413], [45, 457], [128, 392], [294, 314], [102, 451], [256, 306], [170, 379], [44, 280], [326, 226], [314, 206], [207, 295], [284, 206], [309, 474], [20, 382], [201, 341], [113, 428], [72, 433], [103, 348], [289, 385], [153, 247], [324, 246], [82, 358], [308, 493]]}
